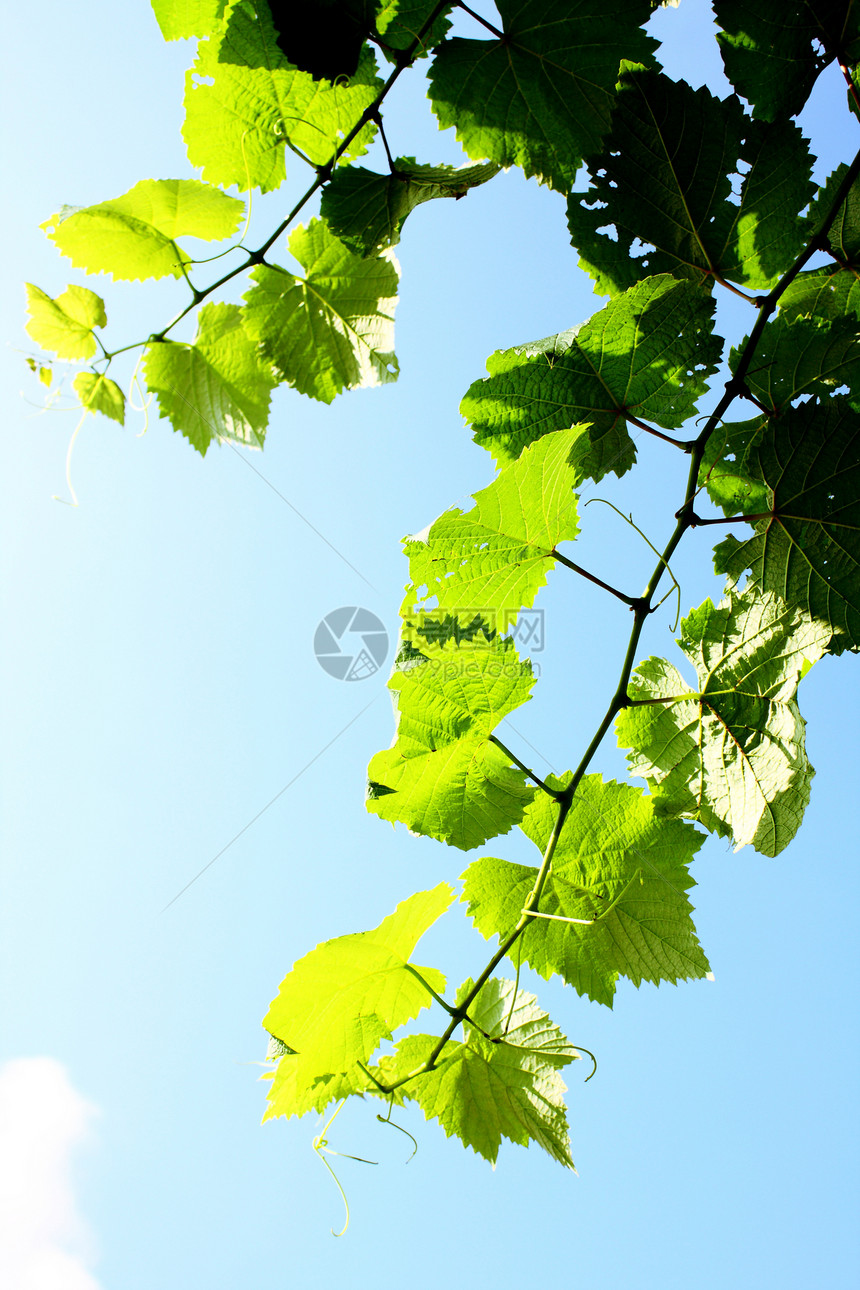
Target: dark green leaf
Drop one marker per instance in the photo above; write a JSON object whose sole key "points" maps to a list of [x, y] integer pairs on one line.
{"points": [[844, 232], [769, 48], [829, 293], [367, 210], [802, 356], [649, 353], [663, 184], [323, 37], [727, 471], [399, 23], [540, 98], [808, 550], [619, 872]]}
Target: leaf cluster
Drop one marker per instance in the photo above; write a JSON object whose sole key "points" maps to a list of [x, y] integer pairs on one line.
{"points": [[672, 196]]}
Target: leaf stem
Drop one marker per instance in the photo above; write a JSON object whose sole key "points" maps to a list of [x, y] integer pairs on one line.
{"points": [[489, 26], [562, 559], [551, 792], [684, 444]]}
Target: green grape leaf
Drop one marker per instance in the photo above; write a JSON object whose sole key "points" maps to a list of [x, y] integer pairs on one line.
{"points": [[648, 353], [367, 210], [731, 754], [133, 237], [802, 356], [181, 19], [333, 329], [505, 1086], [663, 184], [343, 998], [727, 471], [844, 233], [443, 777], [807, 548], [541, 97], [830, 292], [620, 870], [243, 100], [769, 48], [98, 393], [400, 21], [217, 388], [65, 326], [496, 556]]}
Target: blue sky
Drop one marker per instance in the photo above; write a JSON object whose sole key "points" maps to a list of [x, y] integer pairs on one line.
{"points": [[161, 689]]}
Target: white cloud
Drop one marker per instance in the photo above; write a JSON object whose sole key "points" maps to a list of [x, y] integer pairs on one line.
{"points": [[44, 1243]]}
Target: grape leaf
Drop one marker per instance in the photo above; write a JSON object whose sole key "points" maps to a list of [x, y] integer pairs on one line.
{"points": [[181, 19], [619, 868], [399, 22], [844, 232], [505, 1086], [802, 356], [243, 100], [664, 182], [133, 237], [334, 328], [732, 754], [367, 210], [497, 555], [649, 352], [807, 550], [339, 1001], [727, 471], [830, 292], [65, 326], [443, 777], [539, 98], [768, 48], [217, 388], [98, 393]]}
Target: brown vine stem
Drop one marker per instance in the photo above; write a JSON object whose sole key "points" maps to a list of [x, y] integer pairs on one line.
{"points": [[684, 520]]}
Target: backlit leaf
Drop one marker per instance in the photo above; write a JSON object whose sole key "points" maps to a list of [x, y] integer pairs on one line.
{"points": [[505, 1086], [333, 329], [443, 777], [497, 555], [133, 236], [217, 388], [99, 393], [243, 100], [729, 752], [65, 326], [339, 1001], [180, 19], [620, 870]]}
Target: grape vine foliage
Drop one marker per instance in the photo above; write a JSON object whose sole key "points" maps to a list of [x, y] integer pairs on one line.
{"points": [[672, 196]]}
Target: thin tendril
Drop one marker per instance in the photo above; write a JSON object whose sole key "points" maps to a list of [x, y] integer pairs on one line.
{"points": [[75, 434]]}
